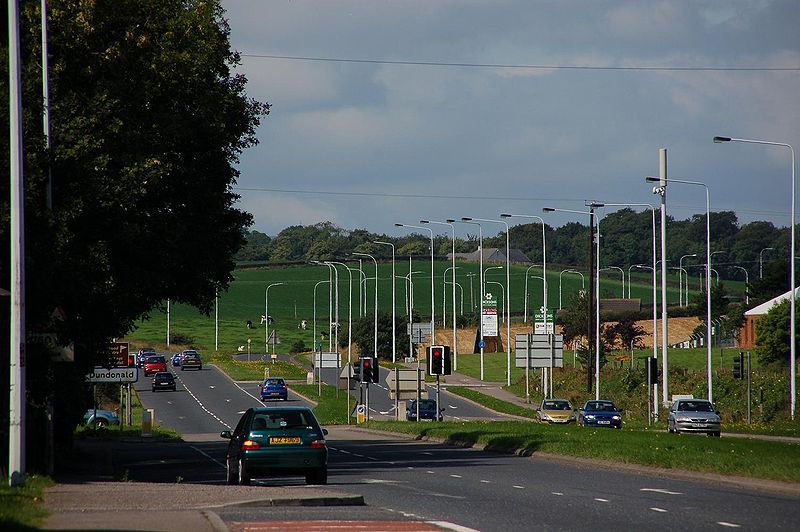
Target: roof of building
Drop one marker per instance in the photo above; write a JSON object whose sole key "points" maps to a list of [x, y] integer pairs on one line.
{"points": [[494, 255], [766, 306]]}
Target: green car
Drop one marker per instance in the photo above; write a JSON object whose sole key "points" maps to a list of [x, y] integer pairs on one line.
{"points": [[277, 441]]}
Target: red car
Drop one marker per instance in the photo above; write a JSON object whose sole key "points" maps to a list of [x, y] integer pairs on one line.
{"points": [[154, 364]]}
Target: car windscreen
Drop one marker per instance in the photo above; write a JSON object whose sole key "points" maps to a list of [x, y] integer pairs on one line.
{"points": [[556, 405], [427, 404], [696, 406], [601, 407]]}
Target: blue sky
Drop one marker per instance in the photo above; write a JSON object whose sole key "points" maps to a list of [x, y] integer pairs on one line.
{"points": [[368, 144]]}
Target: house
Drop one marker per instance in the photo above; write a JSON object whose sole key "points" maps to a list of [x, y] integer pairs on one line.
{"points": [[493, 255], [747, 334]]}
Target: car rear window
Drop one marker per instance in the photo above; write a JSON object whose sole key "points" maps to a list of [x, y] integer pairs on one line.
{"points": [[156, 360], [283, 420], [274, 382]]}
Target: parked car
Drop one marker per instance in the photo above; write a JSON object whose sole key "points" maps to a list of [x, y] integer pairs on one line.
{"points": [[191, 359], [274, 388], [427, 410], [694, 415], [277, 441], [176, 359], [599, 414], [104, 418], [555, 411], [154, 364], [163, 380]]}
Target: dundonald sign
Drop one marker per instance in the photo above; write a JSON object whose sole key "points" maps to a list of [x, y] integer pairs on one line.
{"points": [[119, 375]]}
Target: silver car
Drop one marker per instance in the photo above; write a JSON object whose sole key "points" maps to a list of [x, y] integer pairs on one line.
{"points": [[694, 415]]}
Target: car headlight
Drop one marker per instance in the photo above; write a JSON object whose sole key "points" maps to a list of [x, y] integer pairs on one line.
{"points": [[589, 416], [616, 418], [545, 417], [572, 416]]}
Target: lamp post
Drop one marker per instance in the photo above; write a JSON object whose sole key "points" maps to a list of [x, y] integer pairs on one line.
{"points": [[681, 271], [349, 328], [455, 338], [480, 283], [544, 256], [622, 273], [592, 215], [508, 291], [433, 296], [708, 270], [746, 284], [375, 345], [315, 313], [266, 319], [525, 299], [792, 295], [761, 262], [394, 332], [583, 284]]}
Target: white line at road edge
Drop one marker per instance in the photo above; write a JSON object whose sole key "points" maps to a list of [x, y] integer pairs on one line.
{"points": [[729, 525], [223, 466], [659, 490], [451, 526], [660, 510]]}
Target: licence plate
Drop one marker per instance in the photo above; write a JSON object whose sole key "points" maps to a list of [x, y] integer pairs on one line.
{"points": [[604, 422], [699, 425], [282, 440]]}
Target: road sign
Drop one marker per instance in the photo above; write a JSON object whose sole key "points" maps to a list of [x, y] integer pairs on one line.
{"points": [[540, 350], [274, 339], [118, 375], [405, 384], [361, 414], [539, 322], [489, 317], [420, 332], [119, 354], [327, 360]]}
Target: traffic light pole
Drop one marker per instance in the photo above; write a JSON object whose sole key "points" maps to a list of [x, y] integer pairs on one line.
{"points": [[437, 397], [748, 387]]}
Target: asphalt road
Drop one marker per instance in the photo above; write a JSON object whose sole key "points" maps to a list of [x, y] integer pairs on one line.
{"points": [[403, 480]]}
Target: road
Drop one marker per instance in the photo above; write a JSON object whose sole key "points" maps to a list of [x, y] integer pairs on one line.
{"points": [[403, 480]]}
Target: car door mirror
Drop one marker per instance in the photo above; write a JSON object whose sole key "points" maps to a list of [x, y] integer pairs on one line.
{"points": [[225, 434], [324, 432]]}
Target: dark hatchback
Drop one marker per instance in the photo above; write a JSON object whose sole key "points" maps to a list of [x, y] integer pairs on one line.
{"points": [[281, 441], [163, 380], [274, 388], [599, 414], [190, 359], [427, 410]]}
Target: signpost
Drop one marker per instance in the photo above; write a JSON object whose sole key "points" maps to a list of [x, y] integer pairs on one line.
{"points": [[540, 322], [403, 383], [115, 375], [489, 317], [538, 351]]}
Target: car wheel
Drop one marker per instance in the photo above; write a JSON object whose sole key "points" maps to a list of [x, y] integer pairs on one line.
{"points": [[317, 476], [244, 475], [713, 434], [101, 422], [230, 474], [154, 390]]}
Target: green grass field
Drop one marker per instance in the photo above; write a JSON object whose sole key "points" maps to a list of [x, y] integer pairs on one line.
{"points": [[293, 301]]}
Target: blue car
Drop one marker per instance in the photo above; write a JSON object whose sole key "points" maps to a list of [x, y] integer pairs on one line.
{"points": [[274, 388], [599, 414], [427, 410]]}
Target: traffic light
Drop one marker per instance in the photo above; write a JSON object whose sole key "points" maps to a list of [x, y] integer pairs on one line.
{"points": [[652, 370], [439, 360], [738, 366], [375, 373], [369, 371]]}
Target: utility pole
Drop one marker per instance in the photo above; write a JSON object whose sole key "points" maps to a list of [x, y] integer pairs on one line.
{"points": [[590, 321]]}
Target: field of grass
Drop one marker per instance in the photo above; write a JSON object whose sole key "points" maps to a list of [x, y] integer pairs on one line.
{"points": [[293, 301], [21, 507], [727, 456]]}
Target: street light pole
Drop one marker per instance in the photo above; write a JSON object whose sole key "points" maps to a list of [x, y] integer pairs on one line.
{"points": [[708, 272], [433, 293], [455, 337], [394, 332], [375, 345], [622, 273], [508, 292], [480, 282], [681, 271], [761, 263], [583, 284], [266, 319], [746, 284], [792, 295]]}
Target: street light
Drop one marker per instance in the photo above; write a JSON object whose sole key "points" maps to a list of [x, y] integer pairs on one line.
{"points": [[761, 262], [792, 296], [544, 256], [708, 269], [375, 346], [444, 321], [681, 271], [592, 215], [394, 334], [349, 330], [525, 299], [622, 273], [583, 285], [433, 297], [746, 284], [480, 282], [266, 318], [508, 290]]}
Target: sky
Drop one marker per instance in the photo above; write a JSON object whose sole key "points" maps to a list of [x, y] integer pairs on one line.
{"points": [[389, 112]]}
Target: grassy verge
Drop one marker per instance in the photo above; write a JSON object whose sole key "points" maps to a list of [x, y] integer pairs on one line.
{"points": [[497, 405], [128, 431], [331, 407], [20, 507], [727, 456]]}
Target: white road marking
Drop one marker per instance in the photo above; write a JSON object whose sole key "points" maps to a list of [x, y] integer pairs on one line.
{"points": [[486, 481], [518, 487], [430, 472], [661, 510], [557, 493], [451, 526], [453, 407], [660, 490], [427, 453], [209, 412], [212, 386], [223, 466], [729, 525], [456, 476], [598, 499]]}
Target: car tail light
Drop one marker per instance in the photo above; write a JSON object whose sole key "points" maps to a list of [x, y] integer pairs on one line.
{"points": [[250, 445], [284, 386], [263, 388], [318, 444]]}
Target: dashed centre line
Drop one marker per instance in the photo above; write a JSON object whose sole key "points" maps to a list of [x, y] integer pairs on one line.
{"points": [[729, 525], [660, 510]]}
